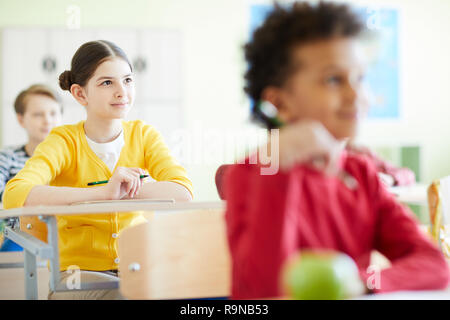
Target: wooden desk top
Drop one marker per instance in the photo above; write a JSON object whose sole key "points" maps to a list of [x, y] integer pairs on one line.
{"points": [[110, 206]]}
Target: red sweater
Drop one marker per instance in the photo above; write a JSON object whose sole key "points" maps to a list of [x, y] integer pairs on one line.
{"points": [[269, 217], [401, 176]]}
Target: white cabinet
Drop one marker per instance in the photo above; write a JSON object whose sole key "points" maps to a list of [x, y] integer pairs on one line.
{"points": [[161, 52], [39, 55], [61, 46], [23, 53]]}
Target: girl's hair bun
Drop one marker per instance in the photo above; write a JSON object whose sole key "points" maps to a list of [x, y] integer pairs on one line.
{"points": [[65, 80]]}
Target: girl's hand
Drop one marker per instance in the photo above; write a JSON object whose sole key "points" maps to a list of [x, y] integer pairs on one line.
{"points": [[309, 142], [124, 183]]}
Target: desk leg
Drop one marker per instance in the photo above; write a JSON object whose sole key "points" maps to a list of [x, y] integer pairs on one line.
{"points": [[31, 289], [52, 238]]}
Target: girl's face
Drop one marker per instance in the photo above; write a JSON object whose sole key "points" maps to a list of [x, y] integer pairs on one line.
{"points": [[109, 93]]}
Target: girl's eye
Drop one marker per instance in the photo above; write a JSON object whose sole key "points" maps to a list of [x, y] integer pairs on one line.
{"points": [[106, 83], [128, 80]]}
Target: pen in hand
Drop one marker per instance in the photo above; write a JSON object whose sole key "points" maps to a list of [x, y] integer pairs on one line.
{"points": [[142, 176]]}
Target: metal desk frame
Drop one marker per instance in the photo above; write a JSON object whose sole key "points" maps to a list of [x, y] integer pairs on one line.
{"points": [[34, 248]]}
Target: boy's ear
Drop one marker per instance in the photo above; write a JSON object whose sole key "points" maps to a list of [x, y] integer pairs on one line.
{"points": [[274, 95], [79, 94], [20, 119]]}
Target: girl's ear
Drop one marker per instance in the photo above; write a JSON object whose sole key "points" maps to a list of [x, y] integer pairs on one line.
{"points": [[79, 94]]}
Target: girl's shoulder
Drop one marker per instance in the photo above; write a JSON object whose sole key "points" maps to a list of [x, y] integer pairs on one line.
{"points": [[133, 124], [68, 129], [69, 134], [139, 127]]}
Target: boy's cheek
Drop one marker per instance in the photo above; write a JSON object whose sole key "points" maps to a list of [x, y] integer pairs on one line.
{"points": [[345, 130]]}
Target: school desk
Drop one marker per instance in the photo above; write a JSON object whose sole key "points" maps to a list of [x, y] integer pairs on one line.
{"points": [[409, 295], [181, 253], [35, 248]]}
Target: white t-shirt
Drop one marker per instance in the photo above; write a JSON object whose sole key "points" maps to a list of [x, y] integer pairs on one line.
{"points": [[108, 152]]}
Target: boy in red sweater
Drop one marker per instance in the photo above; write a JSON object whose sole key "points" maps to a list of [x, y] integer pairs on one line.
{"points": [[306, 61]]}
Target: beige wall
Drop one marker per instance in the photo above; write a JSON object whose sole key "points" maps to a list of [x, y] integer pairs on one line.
{"points": [[214, 32]]}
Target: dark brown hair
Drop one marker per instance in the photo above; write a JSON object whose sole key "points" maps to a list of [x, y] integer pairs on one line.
{"points": [[268, 53], [20, 103], [86, 60]]}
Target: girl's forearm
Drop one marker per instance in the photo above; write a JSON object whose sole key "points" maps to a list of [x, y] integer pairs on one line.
{"points": [[49, 195], [164, 190]]}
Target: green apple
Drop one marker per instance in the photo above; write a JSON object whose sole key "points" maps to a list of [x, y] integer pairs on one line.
{"points": [[321, 275]]}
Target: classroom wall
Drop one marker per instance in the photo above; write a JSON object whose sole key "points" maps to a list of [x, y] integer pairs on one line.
{"points": [[424, 82], [214, 32]]}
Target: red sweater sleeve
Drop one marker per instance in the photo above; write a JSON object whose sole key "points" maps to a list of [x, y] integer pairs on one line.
{"points": [[416, 263], [259, 233], [402, 176]]}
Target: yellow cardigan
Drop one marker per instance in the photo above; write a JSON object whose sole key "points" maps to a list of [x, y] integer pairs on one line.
{"points": [[64, 158]]}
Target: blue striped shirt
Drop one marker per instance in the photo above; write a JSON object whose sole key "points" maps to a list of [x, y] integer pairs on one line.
{"points": [[12, 160]]}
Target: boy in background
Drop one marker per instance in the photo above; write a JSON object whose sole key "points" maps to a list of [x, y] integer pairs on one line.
{"points": [[38, 110]]}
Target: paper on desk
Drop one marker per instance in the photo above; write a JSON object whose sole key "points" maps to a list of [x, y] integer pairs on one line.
{"points": [[127, 200]]}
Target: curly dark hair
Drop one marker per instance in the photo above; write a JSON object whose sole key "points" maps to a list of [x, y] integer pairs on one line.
{"points": [[268, 52]]}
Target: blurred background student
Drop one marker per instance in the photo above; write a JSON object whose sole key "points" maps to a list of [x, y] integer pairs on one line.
{"points": [[305, 61], [38, 109]]}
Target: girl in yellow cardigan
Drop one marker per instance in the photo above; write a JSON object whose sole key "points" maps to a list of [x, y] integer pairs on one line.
{"points": [[104, 147]]}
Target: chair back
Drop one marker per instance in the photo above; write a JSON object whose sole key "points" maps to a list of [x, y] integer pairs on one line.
{"points": [[219, 178], [176, 255]]}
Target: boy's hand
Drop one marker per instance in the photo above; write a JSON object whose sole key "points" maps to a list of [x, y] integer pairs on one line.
{"points": [[386, 179], [125, 182], [309, 142]]}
